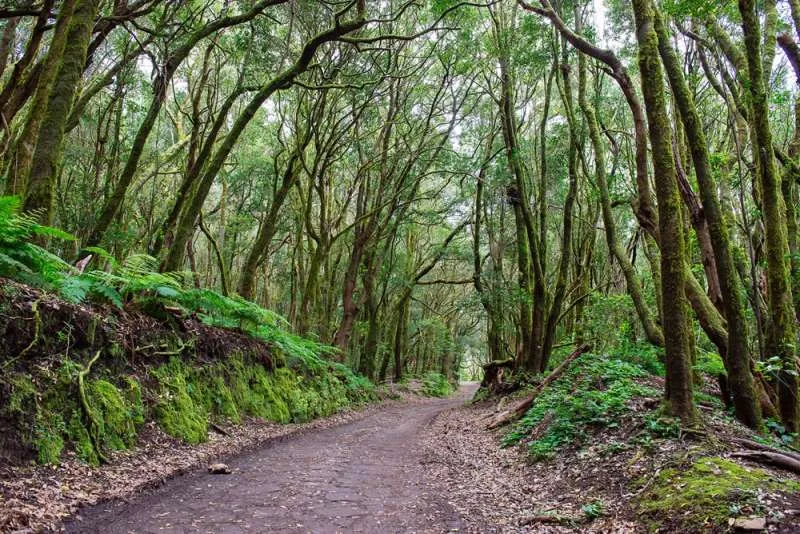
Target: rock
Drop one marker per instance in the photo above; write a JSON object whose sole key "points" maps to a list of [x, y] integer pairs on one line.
{"points": [[748, 524], [219, 469]]}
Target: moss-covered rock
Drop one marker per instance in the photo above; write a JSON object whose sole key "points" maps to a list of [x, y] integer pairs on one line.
{"points": [[707, 492], [113, 415], [176, 410], [48, 439]]}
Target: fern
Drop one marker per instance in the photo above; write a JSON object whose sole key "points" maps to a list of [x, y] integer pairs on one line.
{"points": [[19, 257], [136, 279]]}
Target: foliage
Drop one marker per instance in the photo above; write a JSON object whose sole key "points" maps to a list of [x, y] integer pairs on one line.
{"points": [[20, 257], [610, 322], [593, 510], [436, 385], [593, 394]]}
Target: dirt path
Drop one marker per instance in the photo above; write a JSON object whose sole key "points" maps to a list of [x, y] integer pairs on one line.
{"points": [[366, 476]]}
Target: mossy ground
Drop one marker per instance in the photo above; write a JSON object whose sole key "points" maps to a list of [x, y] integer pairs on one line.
{"points": [[709, 490]]}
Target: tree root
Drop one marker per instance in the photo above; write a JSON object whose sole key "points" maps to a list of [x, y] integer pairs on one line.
{"points": [[756, 446], [773, 459], [37, 330], [94, 425]]}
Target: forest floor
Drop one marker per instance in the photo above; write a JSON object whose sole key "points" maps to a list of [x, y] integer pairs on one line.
{"points": [[413, 465]]}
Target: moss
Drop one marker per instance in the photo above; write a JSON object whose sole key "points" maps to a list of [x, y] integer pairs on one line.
{"points": [[707, 491], [176, 411], [81, 441], [23, 395], [213, 393], [181, 395], [311, 396], [223, 403], [114, 416], [48, 438], [256, 392], [133, 397]]}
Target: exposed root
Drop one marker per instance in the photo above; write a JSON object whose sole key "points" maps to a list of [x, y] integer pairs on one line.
{"points": [[94, 426], [37, 329]]}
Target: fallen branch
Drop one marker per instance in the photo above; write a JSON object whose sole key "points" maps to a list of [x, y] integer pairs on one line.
{"points": [[516, 411], [756, 446], [771, 458]]}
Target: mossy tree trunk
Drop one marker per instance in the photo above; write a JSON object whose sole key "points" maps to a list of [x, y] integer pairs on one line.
{"points": [[673, 255], [41, 182], [494, 315], [652, 331], [268, 226], [21, 158], [559, 291], [781, 334], [532, 299], [737, 359]]}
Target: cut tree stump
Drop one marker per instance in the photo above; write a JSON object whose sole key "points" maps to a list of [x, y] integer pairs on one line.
{"points": [[516, 411]]}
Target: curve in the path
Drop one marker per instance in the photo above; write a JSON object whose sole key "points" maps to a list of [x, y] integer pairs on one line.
{"points": [[365, 476]]}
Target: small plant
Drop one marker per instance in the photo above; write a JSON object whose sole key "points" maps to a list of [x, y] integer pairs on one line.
{"points": [[614, 447], [436, 385], [592, 510], [662, 427], [593, 394], [779, 431]]}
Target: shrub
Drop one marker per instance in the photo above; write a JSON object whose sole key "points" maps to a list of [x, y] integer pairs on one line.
{"points": [[593, 393], [436, 385]]}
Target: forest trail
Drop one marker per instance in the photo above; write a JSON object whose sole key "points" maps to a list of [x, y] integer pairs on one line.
{"points": [[364, 476]]}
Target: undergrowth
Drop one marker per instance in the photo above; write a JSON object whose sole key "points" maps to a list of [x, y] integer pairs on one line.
{"points": [[436, 385], [594, 393], [183, 394]]}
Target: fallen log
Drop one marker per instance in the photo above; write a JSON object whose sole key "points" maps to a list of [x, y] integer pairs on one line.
{"points": [[773, 459], [516, 411], [756, 446]]}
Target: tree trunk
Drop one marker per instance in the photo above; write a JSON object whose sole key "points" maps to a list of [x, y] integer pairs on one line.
{"points": [[40, 189], [737, 359], [21, 158], [673, 256], [781, 338]]}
